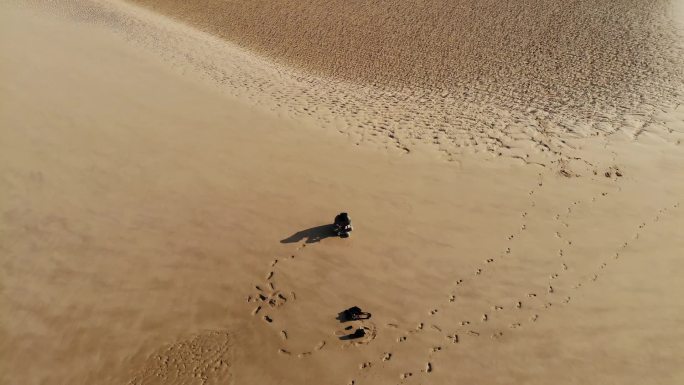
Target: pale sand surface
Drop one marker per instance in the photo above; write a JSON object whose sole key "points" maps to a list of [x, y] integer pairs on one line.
{"points": [[149, 172]]}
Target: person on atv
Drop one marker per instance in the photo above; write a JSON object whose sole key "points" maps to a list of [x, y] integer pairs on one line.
{"points": [[342, 224]]}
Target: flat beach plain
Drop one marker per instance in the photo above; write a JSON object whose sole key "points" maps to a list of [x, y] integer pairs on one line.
{"points": [[513, 171]]}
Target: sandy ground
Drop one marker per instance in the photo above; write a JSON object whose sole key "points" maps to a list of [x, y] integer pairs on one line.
{"points": [[162, 194]]}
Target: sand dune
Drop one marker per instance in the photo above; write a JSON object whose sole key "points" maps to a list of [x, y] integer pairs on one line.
{"points": [[165, 195], [543, 52], [475, 119]]}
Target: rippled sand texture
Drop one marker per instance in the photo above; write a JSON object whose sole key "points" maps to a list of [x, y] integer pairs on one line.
{"points": [[165, 196], [545, 52], [499, 78]]}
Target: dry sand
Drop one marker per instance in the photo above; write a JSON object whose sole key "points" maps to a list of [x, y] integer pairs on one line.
{"points": [[161, 192]]}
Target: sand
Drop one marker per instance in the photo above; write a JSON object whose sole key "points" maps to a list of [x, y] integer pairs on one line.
{"points": [[162, 192]]}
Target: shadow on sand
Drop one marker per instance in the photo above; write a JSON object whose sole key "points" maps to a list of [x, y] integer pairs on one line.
{"points": [[358, 333], [311, 235]]}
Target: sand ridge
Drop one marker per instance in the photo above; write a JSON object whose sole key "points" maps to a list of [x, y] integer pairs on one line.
{"points": [[410, 118], [540, 52]]}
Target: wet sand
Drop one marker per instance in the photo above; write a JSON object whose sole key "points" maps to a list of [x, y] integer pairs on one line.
{"points": [[164, 195]]}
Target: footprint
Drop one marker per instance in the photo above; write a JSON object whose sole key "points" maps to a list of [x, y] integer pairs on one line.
{"points": [[514, 325], [393, 326], [256, 310], [386, 357], [550, 289], [473, 333], [564, 266], [490, 260], [484, 317], [458, 282], [420, 326], [496, 335], [497, 307], [271, 286], [365, 365], [207, 356], [534, 317], [436, 328], [304, 354], [405, 375], [436, 349], [283, 334], [269, 275], [453, 338], [293, 295], [566, 300], [531, 295], [268, 319], [452, 298], [319, 345], [553, 276], [463, 323], [401, 339], [518, 305], [283, 351], [275, 261], [478, 271], [433, 311], [258, 287], [428, 368]]}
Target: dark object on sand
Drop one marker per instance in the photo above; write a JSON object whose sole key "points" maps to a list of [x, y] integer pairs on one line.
{"points": [[342, 225], [352, 314], [358, 333]]}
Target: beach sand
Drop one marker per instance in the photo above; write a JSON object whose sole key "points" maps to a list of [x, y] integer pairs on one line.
{"points": [[165, 190]]}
